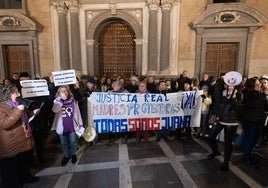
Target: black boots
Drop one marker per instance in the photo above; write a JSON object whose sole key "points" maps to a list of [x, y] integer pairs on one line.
{"points": [[214, 154], [225, 166]]}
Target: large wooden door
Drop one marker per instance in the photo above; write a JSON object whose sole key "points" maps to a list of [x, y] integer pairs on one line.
{"points": [[220, 58], [17, 58], [117, 50]]}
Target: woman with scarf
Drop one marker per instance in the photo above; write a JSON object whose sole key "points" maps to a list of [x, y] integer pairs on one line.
{"points": [[67, 122], [16, 141]]}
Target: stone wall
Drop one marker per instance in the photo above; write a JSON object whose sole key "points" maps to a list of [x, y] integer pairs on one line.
{"points": [[190, 9], [259, 52], [40, 11]]}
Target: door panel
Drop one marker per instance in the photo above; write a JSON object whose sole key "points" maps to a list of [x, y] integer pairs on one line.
{"points": [[117, 50], [220, 57], [17, 58]]}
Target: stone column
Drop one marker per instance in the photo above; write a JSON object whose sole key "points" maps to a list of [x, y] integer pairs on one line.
{"points": [[166, 6], [91, 57], [246, 55], [200, 65], [138, 56], [75, 43], [152, 37], [63, 36]]}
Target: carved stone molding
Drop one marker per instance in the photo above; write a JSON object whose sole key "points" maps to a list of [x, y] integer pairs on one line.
{"points": [[12, 20], [218, 13], [92, 14], [137, 14], [72, 5], [227, 17], [64, 6], [60, 6], [52, 2], [9, 22], [166, 4], [153, 5], [113, 8]]}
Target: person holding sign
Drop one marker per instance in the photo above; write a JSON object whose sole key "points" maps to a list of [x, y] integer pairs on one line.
{"points": [[66, 122], [162, 89], [16, 141], [118, 88], [142, 132]]}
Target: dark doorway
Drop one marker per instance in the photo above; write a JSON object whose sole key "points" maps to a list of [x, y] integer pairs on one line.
{"points": [[117, 50], [17, 59], [220, 58]]}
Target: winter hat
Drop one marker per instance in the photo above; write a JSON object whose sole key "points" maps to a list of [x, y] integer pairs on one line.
{"points": [[91, 80], [205, 87], [188, 81]]}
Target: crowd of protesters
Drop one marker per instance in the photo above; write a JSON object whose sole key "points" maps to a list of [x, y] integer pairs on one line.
{"points": [[245, 104]]}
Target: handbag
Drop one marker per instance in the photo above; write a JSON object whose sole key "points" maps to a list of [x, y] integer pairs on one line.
{"points": [[80, 131]]}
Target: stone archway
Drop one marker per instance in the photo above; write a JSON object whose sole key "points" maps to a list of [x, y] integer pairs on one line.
{"points": [[226, 23], [93, 30]]}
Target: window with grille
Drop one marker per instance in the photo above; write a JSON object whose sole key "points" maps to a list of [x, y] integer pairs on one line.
{"points": [[11, 4]]}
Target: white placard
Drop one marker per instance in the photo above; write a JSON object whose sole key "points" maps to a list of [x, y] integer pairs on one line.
{"points": [[34, 88], [65, 77]]}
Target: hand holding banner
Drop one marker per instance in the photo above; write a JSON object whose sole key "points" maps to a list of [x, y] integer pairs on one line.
{"points": [[123, 112]]}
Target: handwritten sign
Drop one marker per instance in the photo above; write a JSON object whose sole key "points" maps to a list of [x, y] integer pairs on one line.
{"points": [[34, 88], [123, 112], [65, 77]]}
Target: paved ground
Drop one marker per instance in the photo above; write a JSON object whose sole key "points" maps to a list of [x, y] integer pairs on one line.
{"points": [[164, 164]]}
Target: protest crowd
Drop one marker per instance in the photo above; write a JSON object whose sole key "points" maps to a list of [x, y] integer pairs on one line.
{"points": [[243, 105]]}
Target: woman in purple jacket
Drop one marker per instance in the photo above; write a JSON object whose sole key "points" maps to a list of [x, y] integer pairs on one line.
{"points": [[67, 122]]}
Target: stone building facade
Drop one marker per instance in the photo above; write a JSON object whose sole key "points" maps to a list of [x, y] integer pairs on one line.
{"points": [[160, 38]]}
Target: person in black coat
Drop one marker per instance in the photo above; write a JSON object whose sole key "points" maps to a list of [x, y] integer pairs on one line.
{"points": [[181, 80], [228, 119], [187, 86], [42, 122], [254, 105], [163, 133], [151, 85], [133, 86], [215, 91]]}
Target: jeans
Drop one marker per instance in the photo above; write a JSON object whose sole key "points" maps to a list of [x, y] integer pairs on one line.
{"points": [[68, 144], [251, 134], [229, 132]]}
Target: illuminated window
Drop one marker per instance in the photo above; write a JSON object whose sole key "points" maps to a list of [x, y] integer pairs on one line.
{"points": [[11, 4]]}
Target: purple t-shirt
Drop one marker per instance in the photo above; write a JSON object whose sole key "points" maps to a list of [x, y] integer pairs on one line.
{"points": [[67, 111]]}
